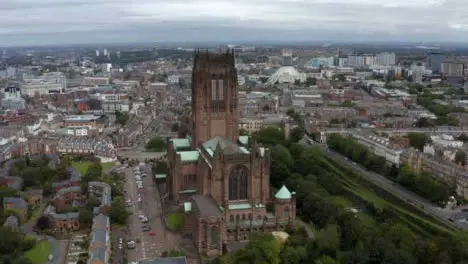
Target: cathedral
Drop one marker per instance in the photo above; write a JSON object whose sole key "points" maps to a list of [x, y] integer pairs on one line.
{"points": [[220, 179]]}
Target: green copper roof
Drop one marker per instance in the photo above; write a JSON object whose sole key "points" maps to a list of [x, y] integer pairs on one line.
{"points": [[283, 193], [244, 140], [180, 143], [191, 155]]}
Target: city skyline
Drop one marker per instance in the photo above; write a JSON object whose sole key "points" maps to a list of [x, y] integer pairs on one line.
{"points": [[109, 21]]}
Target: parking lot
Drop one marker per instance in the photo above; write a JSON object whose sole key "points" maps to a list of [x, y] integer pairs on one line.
{"points": [[145, 226]]}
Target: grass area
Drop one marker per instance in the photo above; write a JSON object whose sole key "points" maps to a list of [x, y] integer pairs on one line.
{"points": [[360, 189], [175, 221], [39, 253], [82, 167]]}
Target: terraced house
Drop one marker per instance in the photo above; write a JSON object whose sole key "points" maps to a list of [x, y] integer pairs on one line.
{"points": [[100, 244], [220, 179]]}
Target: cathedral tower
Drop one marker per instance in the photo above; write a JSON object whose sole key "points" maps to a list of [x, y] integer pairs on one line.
{"points": [[214, 97]]}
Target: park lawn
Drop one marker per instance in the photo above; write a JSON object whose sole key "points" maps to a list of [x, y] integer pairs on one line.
{"points": [[175, 221], [82, 167], [39, 253]]}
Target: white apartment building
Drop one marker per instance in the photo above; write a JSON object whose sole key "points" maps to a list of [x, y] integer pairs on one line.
{"points": [[380, 147], [45, 84], [370, 60], [386, 58], [356, 61], [343, 62]]}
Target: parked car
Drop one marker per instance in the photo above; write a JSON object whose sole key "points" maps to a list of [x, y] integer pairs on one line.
{"points": [[131, 244]]}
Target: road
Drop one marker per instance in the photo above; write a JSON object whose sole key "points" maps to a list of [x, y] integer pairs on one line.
{"points": [[149, 246], [442, 214]]}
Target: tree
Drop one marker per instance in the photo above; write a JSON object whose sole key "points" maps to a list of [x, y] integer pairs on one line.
{"points": [[93, 173], [156, 144], [270, 136], [297, 134], [261, 249], [66, 161], [293, 255], [22, 260], [118, 213], [418, 140], [280, 169], [328, 241], [43, 223], [121, 118], [460, 157], [325, 260], [85, 217]]}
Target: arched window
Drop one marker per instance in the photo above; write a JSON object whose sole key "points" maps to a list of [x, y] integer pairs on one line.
{"points": [[238, 183], [286, 212]]}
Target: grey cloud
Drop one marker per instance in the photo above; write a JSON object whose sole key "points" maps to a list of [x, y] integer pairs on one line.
{"points": [[64, 21]]}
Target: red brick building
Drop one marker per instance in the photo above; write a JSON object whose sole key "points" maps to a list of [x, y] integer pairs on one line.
{"points": [[223, 185]]}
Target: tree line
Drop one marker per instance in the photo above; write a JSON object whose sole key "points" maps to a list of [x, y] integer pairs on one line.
{"points": [[342, 236], [423, 183]]}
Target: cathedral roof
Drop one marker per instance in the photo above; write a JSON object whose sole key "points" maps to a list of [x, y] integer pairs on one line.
{"points": [[283, 193], [227, 146], [180, 143]]}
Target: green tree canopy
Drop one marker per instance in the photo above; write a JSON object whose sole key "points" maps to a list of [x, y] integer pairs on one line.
{"points": [[270, 136], [118, 213], [156, 144]]}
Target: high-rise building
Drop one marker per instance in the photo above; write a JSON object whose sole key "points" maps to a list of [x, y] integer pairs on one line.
{"points": [[370, 60], [385, 58], [452, 69], [220, 182], [97, 53], [434, 61], [356, 61]]}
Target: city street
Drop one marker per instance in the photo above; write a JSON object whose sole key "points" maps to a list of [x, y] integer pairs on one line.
{"points": [[147, 246]]}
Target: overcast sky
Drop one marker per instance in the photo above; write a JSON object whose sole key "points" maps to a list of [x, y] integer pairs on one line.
{"points": [[43, 22]]}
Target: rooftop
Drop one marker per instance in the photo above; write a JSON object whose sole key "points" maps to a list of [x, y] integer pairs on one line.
{"points": [[283, 194], [17, 202], [226, 146]]}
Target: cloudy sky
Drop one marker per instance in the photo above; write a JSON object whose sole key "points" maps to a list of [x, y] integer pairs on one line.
{"points": [[43, 22]]}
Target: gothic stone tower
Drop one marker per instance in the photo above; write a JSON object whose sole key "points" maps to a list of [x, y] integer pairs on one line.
{"points": [[214, 97]]}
